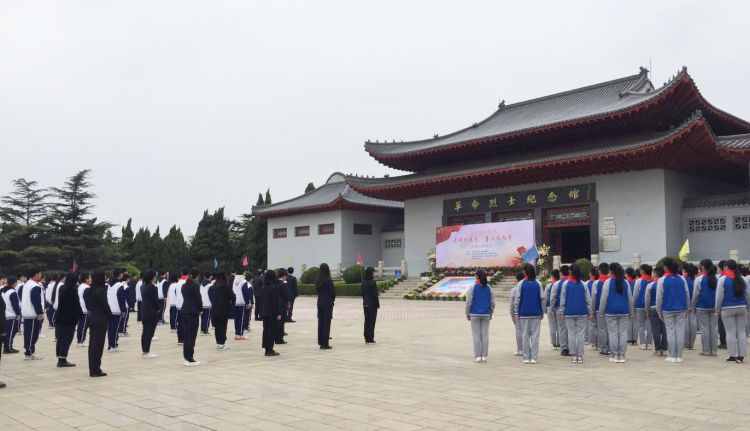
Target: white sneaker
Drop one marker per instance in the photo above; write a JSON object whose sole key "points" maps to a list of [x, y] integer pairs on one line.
{"points": [[192, 364], [478, 359], [518, 353], [622, 359], [643, 347], [611, 359], [484, 359], [115, 350], [42, 336], [533, 361], [149, 356], [669, 359], [154, 338], [35, 357], [677, 360], [222, 347], [526, 361]]}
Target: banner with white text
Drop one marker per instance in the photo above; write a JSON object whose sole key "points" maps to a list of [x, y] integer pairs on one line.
{"points": [[483, 245]]}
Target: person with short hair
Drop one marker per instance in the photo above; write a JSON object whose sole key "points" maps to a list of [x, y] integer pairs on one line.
{"points": [[575, 308], [222, 302], [294, 292], [206, 288], [370, 303], [118, 307], [191, 309], [480, 306], [83, 291], [642, 329], [658, 330], [273, 311], [284, 296], [99, 318], [672, 302], [689, 272], [602, 337], [68, 314], [704, 305], [32, 310], [733, 305], [514, 315], [529, 305], [12, 314], [592, 330], [172, 301], [242, 291], [630, 278], [555, 291], [149, 313], [326, 298], [550, 310]]}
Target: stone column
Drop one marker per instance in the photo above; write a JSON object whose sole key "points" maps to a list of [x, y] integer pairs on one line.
{"points": [[304, 268], [341, 270], [380, 268], [404, 268], [636, 261], [556, 261], [734, 255], [595, 259]]}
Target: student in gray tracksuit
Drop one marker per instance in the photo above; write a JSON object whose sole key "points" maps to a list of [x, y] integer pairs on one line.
{"points": [[642, 328], [551, 321], [575, 307], [529, 306], [672, 304], [514, 315], [616, 305], [602, 337], [562, 331], [733, 305], [703, 305]]}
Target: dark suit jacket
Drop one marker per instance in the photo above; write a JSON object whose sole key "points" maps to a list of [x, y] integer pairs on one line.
{"points": [[99, 311], [370, 294], [2, 316], [68, 305], [326, 293], [223, 301], [292, 284], [150, 309], [191, 295], [273, 301]]}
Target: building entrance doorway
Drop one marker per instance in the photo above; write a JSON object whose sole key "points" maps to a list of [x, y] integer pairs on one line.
{"points": [[567, 232]]}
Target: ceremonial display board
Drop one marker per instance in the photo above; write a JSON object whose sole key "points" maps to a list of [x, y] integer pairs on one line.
{"points": [[483, 245]]}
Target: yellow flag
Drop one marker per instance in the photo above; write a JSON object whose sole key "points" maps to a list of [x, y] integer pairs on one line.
{"points": [[288, 261], [685, 250]]}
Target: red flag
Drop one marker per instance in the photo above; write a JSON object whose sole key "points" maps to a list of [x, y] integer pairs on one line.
{"points": [[75, 265], [245, 262], [359, 258]]}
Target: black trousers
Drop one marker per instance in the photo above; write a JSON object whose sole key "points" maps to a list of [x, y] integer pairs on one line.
{"points": [[31, 328], [371, 314], [64, 335], [97, 336], [325, 314], [149, 327], [83, 324], [280, 330], [290, 310], [258, 307], [189, 326], [269, 332], [112, 330], [722, 332], [205, 320], [220, 329]]}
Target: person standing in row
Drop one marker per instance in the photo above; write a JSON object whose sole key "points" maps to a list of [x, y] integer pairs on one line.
{"points": [[529, 305], [163, 285], [257, 289], [83, 291], [689, 271], [642, 330], [722, 330], [206, 288], [149, 312], [294, 292], [49, 298], [514, 315], [602, 337], [172, 301], [273, 310], [575, 308], [672, 301], [12, 315], [3, 330], [32, 310], [178, 303], [555, 291], [550, 310], [616, 306], [703, 305], [371, 304], [284, 296], [242, 305], [222, 302], [128, 290], [658, 330], [249, 314], [630, 278], [326, 298], [99, 317], [480, 306], [118, 306], [192, 308], [733, 304], [592, 328], [68, 314]]}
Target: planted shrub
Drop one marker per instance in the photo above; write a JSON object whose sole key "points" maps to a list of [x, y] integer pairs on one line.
{"points": [[353, 274], [309, 276], [585, 266]]}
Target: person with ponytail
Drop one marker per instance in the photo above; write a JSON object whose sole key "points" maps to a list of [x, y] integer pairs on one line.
{"points": [[550, 311], [592, 330], [642, 330], [733, 304], [630, 278], [529, 306], [556, 290], [480, 306], [703, 305], [616, 306], [575, 307], [672, 302], [689, 271]]}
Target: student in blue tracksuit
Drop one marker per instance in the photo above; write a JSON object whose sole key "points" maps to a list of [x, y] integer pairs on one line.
{"points": [[206, 287], [514, 317], [118, 306], [550, 311], [12, 316], [575, 308], [83, 291], [529, 306], [243, 305], [591, 332], [562, 331], [602, 338], [658, 330], [672, 302], [480, 306], [689, 272], [616, 305], [631, 277], [703, 305], [172, 301], [640, 316], [32, 311], [733, 304]]}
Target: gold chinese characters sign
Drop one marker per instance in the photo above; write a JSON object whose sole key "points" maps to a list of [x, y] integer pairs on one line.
{"points": [[550, 197]]}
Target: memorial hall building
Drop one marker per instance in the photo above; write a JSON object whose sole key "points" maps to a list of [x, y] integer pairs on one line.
{"points": [[610, 169]]}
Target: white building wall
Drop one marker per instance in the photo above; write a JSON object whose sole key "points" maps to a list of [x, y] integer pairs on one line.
{"points": [[635, 199], [392, 256], [716, 245], [311, 250], [369, 246]]}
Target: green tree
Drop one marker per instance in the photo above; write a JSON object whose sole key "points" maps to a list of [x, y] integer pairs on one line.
{"points": [[157, 251], [126, 240], [142, 256], [26, 205], [174, 250], [211, 241], [268, 197], [310, 187]]}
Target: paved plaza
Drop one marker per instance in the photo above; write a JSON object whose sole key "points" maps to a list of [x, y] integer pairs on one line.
{"points": [[420, 375]]}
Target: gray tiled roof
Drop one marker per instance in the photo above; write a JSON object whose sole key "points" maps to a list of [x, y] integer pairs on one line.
{"points": [[737, 142], [581, 103], [325, 195], [737, 199]]}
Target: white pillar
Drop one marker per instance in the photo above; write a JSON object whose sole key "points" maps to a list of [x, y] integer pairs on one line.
{"points": [[341, 270], [734, 255], [556, 261], [404, 268], [636, 261], [595, 259], [304, 268], [380, 268]]}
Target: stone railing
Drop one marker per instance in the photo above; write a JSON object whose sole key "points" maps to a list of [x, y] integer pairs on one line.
{"points": [[381, 271], [637, 262]]}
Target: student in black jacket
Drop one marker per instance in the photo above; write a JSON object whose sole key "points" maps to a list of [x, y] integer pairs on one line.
{"points": [[273, 311], [285, 297], [150, 312], [3, 332], [192, 308], [293, 290], [99, 314], [222, 303], [68, 313], [257, 289], [371, 303], [326, 298]]}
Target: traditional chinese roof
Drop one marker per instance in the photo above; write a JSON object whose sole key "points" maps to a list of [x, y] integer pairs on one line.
{"points": [[336, 194], [620, 106], [692, 146], [737, 199]]}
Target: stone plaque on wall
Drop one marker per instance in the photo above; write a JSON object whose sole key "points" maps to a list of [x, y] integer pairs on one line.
{"points": [[610, 243], [608, 226]]}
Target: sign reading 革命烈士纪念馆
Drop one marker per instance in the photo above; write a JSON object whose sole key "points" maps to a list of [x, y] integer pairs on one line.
{"points": [[511, 201]]}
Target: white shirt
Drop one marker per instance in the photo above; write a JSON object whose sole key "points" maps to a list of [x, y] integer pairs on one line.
{"points": [[179, 299], [172, 295], [48, 291], [160, 288], [81, 289], [114, 305], [138, 296], [204, 295], [27, 307]]}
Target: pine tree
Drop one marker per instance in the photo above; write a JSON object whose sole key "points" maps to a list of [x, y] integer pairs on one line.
{"points": [[157, 251], [126, 240], [211, 241], [73, 203], [26, 205], [175, 250], [310, 187], [142, 252], [268, 197]]}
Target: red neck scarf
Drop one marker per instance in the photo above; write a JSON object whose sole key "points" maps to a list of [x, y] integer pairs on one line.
{"points": [[668, 274], [704, 272], [646, 277], [603, 278], [184, 277], [592, 278], [630, 279]]}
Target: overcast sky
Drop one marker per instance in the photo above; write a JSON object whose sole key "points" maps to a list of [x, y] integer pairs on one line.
{"points": [[178, 106]]}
